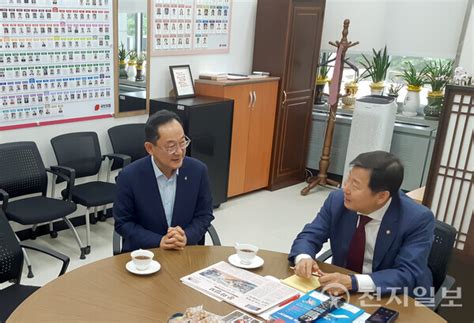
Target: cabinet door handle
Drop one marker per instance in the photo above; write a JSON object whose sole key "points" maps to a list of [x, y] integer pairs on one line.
{"points": [[254, 99], [250, 99], [285, 96]]}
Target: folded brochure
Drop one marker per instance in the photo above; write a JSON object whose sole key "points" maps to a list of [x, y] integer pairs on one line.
{"points": [[291, 312]]}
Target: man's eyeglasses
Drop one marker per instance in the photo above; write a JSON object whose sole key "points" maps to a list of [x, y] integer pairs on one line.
{"points": [[172, 147]]}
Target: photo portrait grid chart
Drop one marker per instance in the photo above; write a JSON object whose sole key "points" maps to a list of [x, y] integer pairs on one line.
{"points": [[190, 26], [56, 61]]}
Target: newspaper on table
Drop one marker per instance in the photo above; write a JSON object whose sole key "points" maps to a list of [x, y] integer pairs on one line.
{"points": [[241, 288]]}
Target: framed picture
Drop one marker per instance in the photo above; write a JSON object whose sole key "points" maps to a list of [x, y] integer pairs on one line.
{"points": [[182, 81]]}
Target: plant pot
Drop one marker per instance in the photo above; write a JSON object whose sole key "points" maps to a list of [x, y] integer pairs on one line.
{"points": [[318, 96], [412, 101], [399, 105], [122, 70], [351, 91], [139, 77], [376, 88], [132, 70], [348, 102], [435, 104]]}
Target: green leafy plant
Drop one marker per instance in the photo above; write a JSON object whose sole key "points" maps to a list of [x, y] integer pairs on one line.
{"points": [[376, 68], [132, 55], [141, 58], [122, 53], [412, 77], [324, 68], [437, 74], [394, 89]]}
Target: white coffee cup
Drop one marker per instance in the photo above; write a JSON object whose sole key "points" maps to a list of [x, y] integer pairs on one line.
{"points": [[246, 252], [142, 259]]}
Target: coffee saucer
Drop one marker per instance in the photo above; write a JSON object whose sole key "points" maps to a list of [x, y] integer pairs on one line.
{"points": [[235, 261], [153, 268]]}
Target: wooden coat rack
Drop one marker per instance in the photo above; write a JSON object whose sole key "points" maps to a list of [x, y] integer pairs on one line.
{"points": [[334, 96]]}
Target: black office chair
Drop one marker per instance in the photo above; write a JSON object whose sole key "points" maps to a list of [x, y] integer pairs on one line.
{"points": [[117, 240], [128, 139], [81, 152], [22, 173], [11, 265], [438, 260]]}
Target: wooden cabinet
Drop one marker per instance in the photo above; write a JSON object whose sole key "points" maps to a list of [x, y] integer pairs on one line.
{"points": [[287, 43], [252, 129]]}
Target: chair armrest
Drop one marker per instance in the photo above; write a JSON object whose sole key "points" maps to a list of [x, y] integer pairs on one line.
{"points": [[214, 236], [65, 259], [5, 198], [116, 243], [67, 174], [446, 285], [325, 256], [119, 158]]}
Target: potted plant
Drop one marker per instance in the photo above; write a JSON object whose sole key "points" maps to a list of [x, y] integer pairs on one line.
{"points": [[122, 55], [437, 75], [376, 68], [351, 89], [322, 77], [415, 81], [140, 60], [132, 61], [393, 91]]}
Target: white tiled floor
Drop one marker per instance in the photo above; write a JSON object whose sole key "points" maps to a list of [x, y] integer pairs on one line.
{"points": [[270, 220]]}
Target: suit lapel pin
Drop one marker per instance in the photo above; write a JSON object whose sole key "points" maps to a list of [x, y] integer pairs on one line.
{"points": [[185, 178], [387, 232]]}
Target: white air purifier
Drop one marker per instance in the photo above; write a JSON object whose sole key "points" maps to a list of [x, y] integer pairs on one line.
{"points": [[372, 126]]}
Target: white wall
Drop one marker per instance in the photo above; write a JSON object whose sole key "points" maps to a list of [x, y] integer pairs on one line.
{"points": [[408, 27], [238, 60], [467, 56]]}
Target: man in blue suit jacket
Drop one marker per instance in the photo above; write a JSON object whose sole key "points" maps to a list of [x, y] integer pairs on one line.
{"points": [[374, 229], [163, 200]]}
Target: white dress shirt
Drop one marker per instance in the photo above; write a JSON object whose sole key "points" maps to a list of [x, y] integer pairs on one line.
{"points": [[365, 282], [167, 188]]}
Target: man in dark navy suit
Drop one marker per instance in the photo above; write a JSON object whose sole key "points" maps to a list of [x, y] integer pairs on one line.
{"points": [[374, 229], [163, 200]]}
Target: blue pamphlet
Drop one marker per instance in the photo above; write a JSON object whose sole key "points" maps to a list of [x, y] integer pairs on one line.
{"points": [[291, 312]]}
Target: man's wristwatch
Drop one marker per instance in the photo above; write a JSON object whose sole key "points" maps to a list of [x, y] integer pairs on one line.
{"points": [[354, 283]]}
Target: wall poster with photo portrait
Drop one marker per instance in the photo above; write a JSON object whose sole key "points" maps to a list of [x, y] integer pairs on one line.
{"points": [[180, 27], [56, 62]]}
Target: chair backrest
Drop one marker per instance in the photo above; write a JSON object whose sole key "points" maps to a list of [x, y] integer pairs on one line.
{"points": [[441, 251], [128, 139], [11, 255], [80, 151], [22, 170]]}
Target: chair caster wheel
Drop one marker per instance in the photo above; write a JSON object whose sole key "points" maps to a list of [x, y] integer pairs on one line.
{"points": [[53, 234], [83, 253], [87, 250], [102, 217], [33, 234], [30, 272], [93, 219]]}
